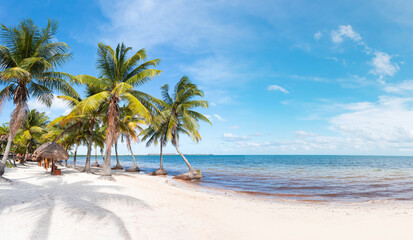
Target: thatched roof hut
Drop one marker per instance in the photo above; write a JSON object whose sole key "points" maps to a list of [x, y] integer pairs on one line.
{"points": [[51, 150]]}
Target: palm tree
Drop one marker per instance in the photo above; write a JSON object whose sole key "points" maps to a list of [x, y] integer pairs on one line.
{"points": [[32, 129], [179, 117], [99, 140], [154, 133], [118, 76], [27, 62], [87, 121], [128, 124]]}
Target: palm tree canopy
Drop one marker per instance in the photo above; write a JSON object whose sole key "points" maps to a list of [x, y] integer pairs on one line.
{"points": [[178, 113], [28, 59], [118, 77]]}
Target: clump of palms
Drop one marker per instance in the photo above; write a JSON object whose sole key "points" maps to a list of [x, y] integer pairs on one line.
{"points": [[32, 129], [118, 77], [28, 60], [178, 117]]}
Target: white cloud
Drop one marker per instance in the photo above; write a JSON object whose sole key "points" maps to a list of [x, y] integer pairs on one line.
{"points": [[380, 127], [186, 25], [400, 88], [234, 127], [229, 137], [277, 88], [58, 107], [382, 65], [345, 31], [301, 133], [318, 35], [218, 117], [385, 124]]}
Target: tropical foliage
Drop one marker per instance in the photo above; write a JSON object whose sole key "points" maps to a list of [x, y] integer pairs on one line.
{"points": [[113, 108], [28, 60]]}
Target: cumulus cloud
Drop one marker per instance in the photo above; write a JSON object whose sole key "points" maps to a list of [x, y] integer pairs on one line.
{"points": [[379, 127], [377, 124], [345, 31], [277, 88], [382, 65]]}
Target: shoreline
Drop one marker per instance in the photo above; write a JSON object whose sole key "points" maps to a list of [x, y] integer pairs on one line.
{"points": [[78, 205]]}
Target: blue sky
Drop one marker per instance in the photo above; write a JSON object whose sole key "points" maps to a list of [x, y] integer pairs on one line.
{"points": [[282, 77]]}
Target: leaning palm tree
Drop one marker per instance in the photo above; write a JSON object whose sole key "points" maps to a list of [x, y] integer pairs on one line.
{"points": [[179, 116], [118, 77], [28, 60]]}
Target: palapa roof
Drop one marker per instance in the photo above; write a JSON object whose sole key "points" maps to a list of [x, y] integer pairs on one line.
{"points": [[51, 150]]}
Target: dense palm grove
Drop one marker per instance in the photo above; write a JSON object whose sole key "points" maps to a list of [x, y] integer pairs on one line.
{"points": [[112, 110]]}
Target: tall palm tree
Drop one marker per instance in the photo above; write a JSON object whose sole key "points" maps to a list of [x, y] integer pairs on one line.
{"points": [[28, 60], [179, 116], [118, 77], [32, 129]]}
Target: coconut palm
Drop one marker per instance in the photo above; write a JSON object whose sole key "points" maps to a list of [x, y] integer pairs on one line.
{"points": [[85, 121], [99, 141], [28, 60], [180, 118], [128, 124], [32, 129], [154, 134], [118, 77]]}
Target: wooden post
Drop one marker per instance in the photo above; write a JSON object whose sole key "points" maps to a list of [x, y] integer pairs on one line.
{"points": [[45, 163]]}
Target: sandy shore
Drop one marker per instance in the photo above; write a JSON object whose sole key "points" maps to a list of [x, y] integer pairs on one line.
{"points": [[78, 206]]}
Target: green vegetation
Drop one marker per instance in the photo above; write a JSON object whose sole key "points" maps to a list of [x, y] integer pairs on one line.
{"points": [[28, 62]]}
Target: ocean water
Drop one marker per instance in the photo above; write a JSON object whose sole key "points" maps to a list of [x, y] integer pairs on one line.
{"points": [[288, 177]]}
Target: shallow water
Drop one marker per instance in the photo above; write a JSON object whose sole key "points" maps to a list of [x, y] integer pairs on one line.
{"points": [[309, 178]]}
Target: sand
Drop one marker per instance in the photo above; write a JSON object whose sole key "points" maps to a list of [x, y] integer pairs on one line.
{"points": [[137, 206]]}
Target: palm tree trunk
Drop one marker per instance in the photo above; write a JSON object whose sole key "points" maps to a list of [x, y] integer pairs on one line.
{"points": [[161, 156], [89, 147], [17, 118], [177, 149], [96, 164], [14, 159], [130, 149], [113, 114], [103, 156], [118, 166], [74, 157], [27, 154]]}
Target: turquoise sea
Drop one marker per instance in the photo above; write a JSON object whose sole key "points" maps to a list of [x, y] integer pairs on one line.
{"points": [[309, 178]]}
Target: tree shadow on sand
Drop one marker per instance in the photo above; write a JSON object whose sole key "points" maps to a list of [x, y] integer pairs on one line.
{"points": [[41, 200]]}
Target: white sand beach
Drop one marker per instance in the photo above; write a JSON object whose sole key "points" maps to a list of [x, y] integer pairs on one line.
{"points": [[137, 206]]}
